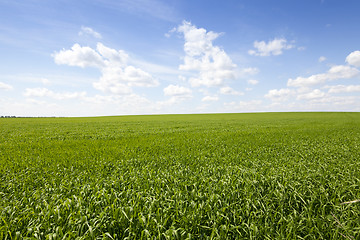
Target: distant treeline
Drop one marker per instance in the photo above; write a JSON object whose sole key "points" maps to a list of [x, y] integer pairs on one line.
{"points": [[21, 117]]}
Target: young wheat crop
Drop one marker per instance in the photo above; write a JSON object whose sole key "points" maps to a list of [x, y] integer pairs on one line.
{"points": [[219, 176]]}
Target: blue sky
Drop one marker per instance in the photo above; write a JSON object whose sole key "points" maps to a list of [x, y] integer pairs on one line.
{"points": [[103, 57]]}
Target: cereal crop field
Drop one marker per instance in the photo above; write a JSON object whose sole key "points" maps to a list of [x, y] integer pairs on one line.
{"points": [[208, 176]]}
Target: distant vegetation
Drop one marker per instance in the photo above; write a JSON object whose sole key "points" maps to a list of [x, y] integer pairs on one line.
{"points": [[17, 117], [220, 176]]}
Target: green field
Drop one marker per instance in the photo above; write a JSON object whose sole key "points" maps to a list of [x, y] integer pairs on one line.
{"points": [[216, 176]]}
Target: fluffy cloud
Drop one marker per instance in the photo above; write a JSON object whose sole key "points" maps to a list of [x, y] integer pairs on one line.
{"points": [[113, 86], [354, 58], [117, 76], [45, 81], [112, 56], [89, 31], [177, 94], [253, 81], [345, 101], [341, 71], [279, 95], [304, 90], [334, 73], [343, 88], [322, 59], [316, 93], [44, 92], [5, 86], [274, 47], [213, 65], [37, 102], [210, 98], [80, 57], [252, 105], [248, 71], [229, 91], [175, 90], [129, 102]]}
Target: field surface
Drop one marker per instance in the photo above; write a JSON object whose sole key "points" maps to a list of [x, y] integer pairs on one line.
{"points": [[216, 176]]}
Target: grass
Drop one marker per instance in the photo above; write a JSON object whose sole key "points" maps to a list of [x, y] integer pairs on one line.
{"points": [[215, 176]]}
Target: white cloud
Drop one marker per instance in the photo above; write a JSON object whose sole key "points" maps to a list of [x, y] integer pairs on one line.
{"points": [[168, 34], [182, 78], [118, 80], [37, 102], [5, 86], [347, 102], [354, 58], [274, 47], [301, 48], [44, 92], [154, 68], [113, 86], [322, 59], [89, 31], [343, 88], [247, 106], [252, 81], [103, 99], [37, 92], [211, 63], [45, 81], [248, 71], [121, 101], [279, 95], [175, 90], [334, 73], [204, 91], [250, 104], [316, 93], [117, 76], [79, 56], [210, 98], [230, 91], [85, 106], [341, 71], [112, 56], [176, 93]]}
